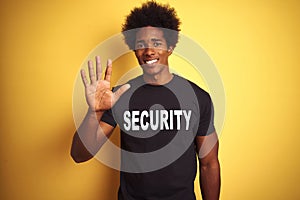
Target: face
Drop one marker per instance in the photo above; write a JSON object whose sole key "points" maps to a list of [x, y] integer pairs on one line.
{"points": [[151, 51]]}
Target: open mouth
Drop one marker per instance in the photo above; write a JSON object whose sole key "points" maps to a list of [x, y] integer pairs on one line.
{"points": [[150, 62]]}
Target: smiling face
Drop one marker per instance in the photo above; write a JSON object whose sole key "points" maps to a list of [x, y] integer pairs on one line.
{"points": [[151, 51]]}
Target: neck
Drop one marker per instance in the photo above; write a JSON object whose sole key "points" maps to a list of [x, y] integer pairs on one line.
{"points": [[158, 79]]}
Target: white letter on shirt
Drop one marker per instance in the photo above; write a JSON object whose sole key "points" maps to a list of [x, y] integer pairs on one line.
{"points": [[187, 118], [135, 120], [178, 113], [154, 126], [126, 116], [144, 114], [164, 119], [171, 120]]}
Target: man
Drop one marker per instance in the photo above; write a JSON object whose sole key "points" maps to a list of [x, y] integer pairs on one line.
{"points": [[156, 112]]}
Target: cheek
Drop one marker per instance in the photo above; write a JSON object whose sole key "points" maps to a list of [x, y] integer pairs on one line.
{"points": [[138, 55], [163, 54]]}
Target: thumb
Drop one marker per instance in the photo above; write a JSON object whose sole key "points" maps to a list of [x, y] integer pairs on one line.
{"points": [[120, 92]]}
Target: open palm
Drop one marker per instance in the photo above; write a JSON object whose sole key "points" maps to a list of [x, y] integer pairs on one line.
{"points": [[98, 95]]}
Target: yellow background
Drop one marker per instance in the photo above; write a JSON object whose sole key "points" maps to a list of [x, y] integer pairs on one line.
{"points": [[255, 45]]}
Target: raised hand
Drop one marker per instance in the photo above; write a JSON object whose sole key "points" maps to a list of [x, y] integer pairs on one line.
{"points": [[98, 95]]}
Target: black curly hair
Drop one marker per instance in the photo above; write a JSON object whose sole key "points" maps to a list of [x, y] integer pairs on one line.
{"points": [[152, 14]]}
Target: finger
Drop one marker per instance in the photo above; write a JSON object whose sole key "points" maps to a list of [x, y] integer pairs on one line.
{"points": [[98, 68], [91, 72], [108, 70], [120, 92], [83, 77]]}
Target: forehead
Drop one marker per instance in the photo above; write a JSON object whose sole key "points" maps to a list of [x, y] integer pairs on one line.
{"points": [[148, 33]]}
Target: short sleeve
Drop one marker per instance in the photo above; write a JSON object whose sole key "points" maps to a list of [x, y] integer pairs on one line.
{"points": [[206, 123], [211, 126], [108, 118]]}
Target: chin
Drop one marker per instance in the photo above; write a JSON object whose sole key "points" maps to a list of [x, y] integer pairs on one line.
{"points": [[150, 72], [151, 69]]}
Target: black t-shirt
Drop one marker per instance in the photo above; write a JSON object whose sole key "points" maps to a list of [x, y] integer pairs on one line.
{"points": [[158, 126]]}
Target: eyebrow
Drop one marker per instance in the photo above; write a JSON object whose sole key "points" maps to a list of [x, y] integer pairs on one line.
{"points": [[152, 40]]}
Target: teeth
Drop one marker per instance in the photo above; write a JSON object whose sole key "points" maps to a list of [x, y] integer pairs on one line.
{"points": [[151, 61]]}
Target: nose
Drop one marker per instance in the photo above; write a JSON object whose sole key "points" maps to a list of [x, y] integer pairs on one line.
{"points": [[149, 51]]}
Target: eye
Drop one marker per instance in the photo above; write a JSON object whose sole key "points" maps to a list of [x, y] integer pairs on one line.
{"points": [[156, 44], [139, 46]]}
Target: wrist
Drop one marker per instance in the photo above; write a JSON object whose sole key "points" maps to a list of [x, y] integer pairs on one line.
{"points": [[96, 114]]}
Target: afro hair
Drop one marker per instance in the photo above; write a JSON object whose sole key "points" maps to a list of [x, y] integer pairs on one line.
{"points": [[152, 14]]}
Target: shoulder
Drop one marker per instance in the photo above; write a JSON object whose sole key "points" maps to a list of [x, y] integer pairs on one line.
{"points": [[200, 93], [136, 81]]}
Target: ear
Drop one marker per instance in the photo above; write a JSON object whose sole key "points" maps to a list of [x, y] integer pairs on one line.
{"points": [[170, 50]]}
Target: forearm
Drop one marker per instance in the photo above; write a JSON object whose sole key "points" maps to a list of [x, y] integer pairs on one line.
{"points": [[86, 140], [93, 133], [210, 181]]}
